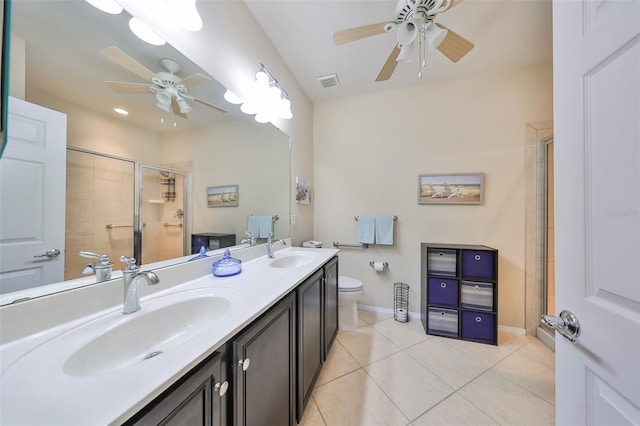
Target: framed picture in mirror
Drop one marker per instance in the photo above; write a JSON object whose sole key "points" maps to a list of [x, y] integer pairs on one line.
{"points": [[451, 188], [222, 196]]}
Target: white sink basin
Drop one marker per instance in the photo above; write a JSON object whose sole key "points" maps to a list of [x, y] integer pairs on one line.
{"points": [[291, 260], [146, 334]]}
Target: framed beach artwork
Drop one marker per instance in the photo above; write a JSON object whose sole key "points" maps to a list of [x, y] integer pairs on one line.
{"points": [[303, 191], [222, 196], [452, 188]]}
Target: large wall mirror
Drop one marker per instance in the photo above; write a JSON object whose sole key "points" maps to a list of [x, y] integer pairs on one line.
{"points": [[161, 170]]}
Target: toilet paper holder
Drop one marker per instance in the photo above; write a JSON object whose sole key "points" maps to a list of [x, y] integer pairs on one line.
{"points": [[384, 264]]}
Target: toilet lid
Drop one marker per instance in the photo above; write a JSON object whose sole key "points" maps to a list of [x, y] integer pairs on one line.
{"points": [[349, 284]]}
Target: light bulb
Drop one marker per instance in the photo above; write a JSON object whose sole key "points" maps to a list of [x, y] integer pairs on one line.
{"points": [[144, 33], [284, 109], [261, 118], [232, 98], [262, 80], [248, 108], [184, 12], [108, 6]]}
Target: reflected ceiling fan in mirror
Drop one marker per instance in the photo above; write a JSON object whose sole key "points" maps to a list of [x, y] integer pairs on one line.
{"points": [[414, 24], [170, 89]]}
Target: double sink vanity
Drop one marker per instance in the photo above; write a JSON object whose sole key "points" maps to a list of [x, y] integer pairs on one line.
{"points": [[239, 350]]}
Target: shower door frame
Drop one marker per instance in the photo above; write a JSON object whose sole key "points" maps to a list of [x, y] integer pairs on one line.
{"points": [[137, 198]]}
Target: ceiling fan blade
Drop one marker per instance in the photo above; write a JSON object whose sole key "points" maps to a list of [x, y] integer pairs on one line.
{"points": [[128, 63], [194, 79], [389, 67], [210, 105], [357, 33], [454, 46], [176, 109], [124, 87]]}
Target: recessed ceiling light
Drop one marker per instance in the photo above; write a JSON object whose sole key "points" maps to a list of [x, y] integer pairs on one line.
{"points": [[121, 111]]}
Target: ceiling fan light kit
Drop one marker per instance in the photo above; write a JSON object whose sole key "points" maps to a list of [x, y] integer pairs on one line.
{"points": [[413, 21]]}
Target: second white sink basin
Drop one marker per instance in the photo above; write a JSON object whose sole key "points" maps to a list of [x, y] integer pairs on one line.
{"points": [[292, 260], [161, 325]]}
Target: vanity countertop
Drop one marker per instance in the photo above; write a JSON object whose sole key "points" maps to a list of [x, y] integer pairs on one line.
{"points": [[48, 377]]}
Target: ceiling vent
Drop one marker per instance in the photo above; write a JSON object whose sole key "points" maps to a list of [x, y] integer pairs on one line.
{"points": [[328, 81]]}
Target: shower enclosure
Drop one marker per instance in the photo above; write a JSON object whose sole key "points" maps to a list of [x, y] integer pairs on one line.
{"points": [[547, 287], [117, 206]]}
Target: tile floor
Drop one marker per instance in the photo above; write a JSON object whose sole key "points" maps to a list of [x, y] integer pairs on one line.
{"points": [[391, 373]]}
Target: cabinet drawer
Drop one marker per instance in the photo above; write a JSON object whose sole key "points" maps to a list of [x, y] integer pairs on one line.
{"points": [[476, 295], [478, 264], [479, 326], [443, 322], [442, 292], [441, 261]]}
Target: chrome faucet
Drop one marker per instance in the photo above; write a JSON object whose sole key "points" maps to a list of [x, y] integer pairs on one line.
{"points": [[102, 268], [131, 275], [251, 239], [270, 243]]}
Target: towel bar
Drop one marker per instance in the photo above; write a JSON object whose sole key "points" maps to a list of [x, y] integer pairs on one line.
{"points": [[394, 217], [351, 245], [166, 225]]}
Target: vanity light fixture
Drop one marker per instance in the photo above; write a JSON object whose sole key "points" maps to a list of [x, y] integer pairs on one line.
{"points": [[121, 111], [108, 6], [268, 101], [185, 14]]}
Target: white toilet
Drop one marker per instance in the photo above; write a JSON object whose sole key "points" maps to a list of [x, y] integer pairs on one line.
{"points": [[349, 292]]}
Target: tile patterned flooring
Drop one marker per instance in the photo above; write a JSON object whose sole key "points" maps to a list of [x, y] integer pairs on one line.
{"points": [[391, 373]]}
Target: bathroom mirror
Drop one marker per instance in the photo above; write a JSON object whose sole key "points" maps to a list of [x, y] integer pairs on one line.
{"points": [[57, 49]]}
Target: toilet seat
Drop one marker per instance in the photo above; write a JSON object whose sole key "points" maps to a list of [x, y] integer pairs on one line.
{"points": [[348, 284]]}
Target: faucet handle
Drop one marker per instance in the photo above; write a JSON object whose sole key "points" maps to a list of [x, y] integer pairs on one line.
{"points": [[104, 258], [130, 261]]}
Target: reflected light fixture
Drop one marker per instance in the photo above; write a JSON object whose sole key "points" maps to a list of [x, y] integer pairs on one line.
{"points": [[185, 14], [145, 33], [108, 6], [268, 101], [121, 111]]}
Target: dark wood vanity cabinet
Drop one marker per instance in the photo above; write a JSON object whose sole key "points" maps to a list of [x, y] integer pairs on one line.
{"points": [[264, 362], [196, 399], [271, 365], [310, 336], [330, 309]]}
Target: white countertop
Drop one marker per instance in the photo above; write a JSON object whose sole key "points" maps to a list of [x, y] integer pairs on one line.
{"points": [[36, 387]]}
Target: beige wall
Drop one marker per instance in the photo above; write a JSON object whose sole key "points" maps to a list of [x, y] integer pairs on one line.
{"points": [[369, 151], [254, 157]]}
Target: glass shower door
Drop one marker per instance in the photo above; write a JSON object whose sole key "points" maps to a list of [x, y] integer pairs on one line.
{"points": [[161, 215]]}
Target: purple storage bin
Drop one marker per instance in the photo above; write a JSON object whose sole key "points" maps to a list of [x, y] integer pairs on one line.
{"points": [[479, 326], [478, 264], [443, 292]]}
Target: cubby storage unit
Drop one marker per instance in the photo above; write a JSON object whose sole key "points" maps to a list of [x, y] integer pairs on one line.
{"points": [[459, 297]]}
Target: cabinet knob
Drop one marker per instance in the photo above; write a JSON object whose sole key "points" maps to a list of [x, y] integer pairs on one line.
{"points": [[244, 363], [443, 285], [478, 319], [221, 388], [477, 257]]}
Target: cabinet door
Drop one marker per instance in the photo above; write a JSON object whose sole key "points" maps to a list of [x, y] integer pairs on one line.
{"points": [[330, 304], [264, 369], [193, 400], [310, 329]]}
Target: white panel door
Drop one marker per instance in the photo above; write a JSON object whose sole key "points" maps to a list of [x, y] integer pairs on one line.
{"points": [[32, 197], [597, 209]]}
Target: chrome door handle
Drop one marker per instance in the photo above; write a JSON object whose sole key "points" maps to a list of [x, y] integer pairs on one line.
{"points": [[50, 253], [566, 324]]}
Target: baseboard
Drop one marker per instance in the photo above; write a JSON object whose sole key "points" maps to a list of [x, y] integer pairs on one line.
{"points": [[514, 330]]}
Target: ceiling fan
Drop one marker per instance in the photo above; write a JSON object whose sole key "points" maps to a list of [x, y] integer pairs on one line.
{"points": [[169, 88], [414, 23]]}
